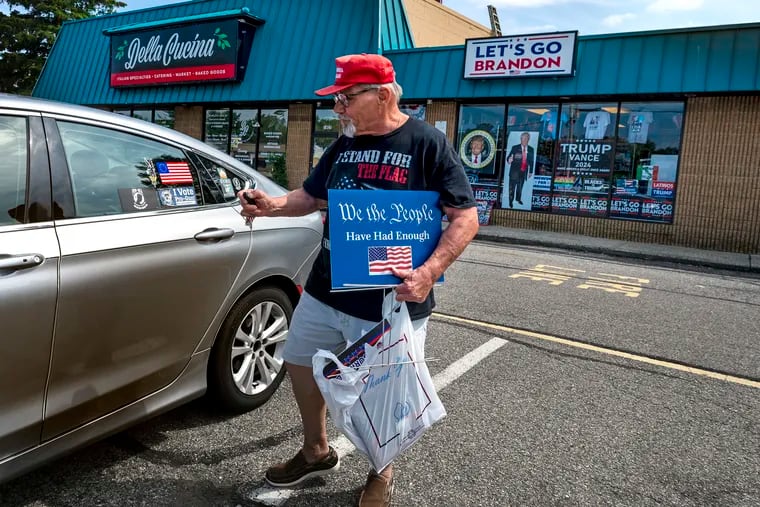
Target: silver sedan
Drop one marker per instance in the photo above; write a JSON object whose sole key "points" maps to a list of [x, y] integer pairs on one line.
{"points": [[129, 283]]}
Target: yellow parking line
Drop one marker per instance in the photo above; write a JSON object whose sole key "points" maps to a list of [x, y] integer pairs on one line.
{"points": [[607, 351]]}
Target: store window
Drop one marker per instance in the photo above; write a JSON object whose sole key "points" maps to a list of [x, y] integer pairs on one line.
{"points": [[601, 159], [143, 114], [416, 111], [245, 133], [478, 142], [273, 140], [646, 162], [531, 138], [326, 131], [216, 131], [257, 137], [480, 127], [164, 117], [585, 156]]}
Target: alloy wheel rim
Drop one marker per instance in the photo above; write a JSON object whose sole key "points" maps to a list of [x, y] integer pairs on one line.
{"points": [[256, 357]]}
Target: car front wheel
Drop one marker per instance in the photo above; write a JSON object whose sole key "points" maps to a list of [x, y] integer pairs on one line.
{"points": [[246, 365]]}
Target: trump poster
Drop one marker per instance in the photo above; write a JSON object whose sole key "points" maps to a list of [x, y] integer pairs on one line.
{"points": [[374, 231]]}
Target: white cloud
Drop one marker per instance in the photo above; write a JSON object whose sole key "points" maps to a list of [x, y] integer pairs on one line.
{"points": [[540, 28], [522, 4], [674, 5], [617, 19]]}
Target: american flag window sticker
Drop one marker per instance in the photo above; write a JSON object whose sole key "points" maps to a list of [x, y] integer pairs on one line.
{"points": [[172, 173], [382, 258]]}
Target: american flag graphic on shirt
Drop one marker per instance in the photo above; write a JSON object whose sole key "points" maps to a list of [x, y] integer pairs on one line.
{"points": [[383, 258], [346, 183], [172, 173]]}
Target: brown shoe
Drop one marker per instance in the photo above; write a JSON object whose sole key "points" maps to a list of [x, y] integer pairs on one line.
{"points": [[298, 470], [377, 491]]}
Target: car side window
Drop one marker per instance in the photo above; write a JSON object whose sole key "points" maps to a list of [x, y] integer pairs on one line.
{"points": [[13, 168], [115, 172], [219, 183]]}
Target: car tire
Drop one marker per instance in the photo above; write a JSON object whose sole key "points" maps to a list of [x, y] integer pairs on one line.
{"points": [[246, 365]]}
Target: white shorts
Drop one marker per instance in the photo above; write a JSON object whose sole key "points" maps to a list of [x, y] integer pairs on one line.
{"points": [[316, 325]]}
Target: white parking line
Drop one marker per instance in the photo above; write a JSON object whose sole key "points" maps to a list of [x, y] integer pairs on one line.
{"points": [[267, 495]]}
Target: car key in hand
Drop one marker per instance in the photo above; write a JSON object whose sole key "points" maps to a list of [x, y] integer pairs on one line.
{"points": [[246, 188], [250, 200]]}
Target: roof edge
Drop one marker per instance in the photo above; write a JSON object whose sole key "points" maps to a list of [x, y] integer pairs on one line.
{"points": [[667, 31], [243, 13]]}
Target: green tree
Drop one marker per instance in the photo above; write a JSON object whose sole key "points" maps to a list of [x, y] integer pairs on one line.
{"points": [[279, 170], [28, 29]]}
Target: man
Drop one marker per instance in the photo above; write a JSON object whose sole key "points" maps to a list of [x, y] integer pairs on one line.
{"points": [[520, 160], [366, 98], [476, 150]]}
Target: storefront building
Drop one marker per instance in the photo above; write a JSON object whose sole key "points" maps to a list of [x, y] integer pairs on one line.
{"points": [[648, 137]]}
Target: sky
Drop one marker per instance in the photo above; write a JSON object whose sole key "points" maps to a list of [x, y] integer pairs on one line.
{"points": [[587, 16]]}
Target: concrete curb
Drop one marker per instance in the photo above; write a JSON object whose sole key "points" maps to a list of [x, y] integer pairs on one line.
{"points": [[692, 257]]}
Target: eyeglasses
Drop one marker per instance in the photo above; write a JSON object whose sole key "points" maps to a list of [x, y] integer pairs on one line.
{"points": [[345, 98]]}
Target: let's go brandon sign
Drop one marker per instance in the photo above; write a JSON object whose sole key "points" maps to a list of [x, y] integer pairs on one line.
{"points": [[536, 55], [180, 54]]}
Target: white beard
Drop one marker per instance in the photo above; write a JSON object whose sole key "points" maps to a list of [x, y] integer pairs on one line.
{"points": [[349, 129]]}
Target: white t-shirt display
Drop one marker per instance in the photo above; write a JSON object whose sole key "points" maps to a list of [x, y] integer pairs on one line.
{"points": [[596, 124], [638, 126]]}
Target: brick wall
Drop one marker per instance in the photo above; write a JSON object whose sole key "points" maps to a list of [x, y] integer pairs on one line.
{"points": [[718, 201], [299, 143], [189, 120], [434, 24], [443, 111]]}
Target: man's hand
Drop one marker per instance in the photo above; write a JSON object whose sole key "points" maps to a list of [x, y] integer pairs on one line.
{"points": [[295, 203], [255, 203], [415, 286]]}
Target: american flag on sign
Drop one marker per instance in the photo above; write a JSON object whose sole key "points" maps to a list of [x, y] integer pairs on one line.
{"points": [[383, 258], [174, 172]]}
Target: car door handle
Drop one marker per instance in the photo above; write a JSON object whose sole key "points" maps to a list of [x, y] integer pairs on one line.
{"points": [[214, 235], [22, 261]]}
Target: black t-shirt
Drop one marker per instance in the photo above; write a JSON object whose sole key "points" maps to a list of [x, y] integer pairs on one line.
{"points": [[415, 156]]}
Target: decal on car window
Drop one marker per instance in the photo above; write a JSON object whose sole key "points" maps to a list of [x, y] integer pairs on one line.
{"points": [[227, 189], [138, 199], [177, 196], [174, 172], [150, 170]]}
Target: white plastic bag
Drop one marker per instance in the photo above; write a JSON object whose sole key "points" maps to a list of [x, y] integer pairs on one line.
{"points": [[379, 391]]}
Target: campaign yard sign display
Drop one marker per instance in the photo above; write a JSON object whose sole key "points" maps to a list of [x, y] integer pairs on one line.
{"points": [[534, 55], [486, 198], [586, 158], [373, 231]]}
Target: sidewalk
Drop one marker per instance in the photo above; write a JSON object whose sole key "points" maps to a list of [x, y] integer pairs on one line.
{"points": [[648, 251]]}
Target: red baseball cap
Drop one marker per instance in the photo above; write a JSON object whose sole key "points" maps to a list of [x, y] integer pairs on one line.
{"points": [[365, 68]]}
